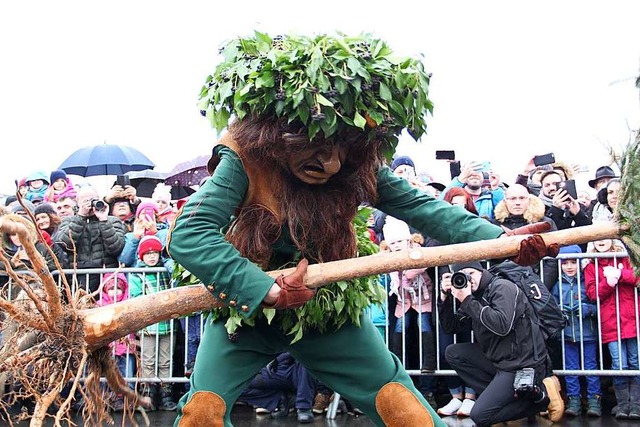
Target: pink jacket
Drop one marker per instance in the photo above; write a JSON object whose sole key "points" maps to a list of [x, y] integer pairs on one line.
{"points": [[53, 196], [128, 342], [414, 288], [627, 301]]}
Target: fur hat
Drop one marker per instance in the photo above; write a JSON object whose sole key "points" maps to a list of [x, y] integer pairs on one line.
{"points": [[56, 175], [395, 230], [149, 208], [44, 208], [469, 264], [147, 244], [402, 160]]}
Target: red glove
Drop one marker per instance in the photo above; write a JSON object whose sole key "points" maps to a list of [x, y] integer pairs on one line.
{"points": [[293, 293], [533, 249], [535, 228]]}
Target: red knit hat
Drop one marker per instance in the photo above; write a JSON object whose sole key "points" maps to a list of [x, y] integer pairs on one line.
{"points": [[147, 244]]}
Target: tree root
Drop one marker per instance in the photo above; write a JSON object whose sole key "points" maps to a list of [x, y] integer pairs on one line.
{"points": [[44, 357]]}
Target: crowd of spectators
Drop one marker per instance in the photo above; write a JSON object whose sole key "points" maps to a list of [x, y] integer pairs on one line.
{"points": [[88, 230]]}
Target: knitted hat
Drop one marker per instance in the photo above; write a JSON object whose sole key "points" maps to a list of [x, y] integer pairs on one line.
{"points": [[22, 182], [395, 230], [57, 174], [16, 208], [149, 208], [571, 249], [469, 264], [162, 192], [402, 160], [147, 244], [44, 208], [10, 199]]}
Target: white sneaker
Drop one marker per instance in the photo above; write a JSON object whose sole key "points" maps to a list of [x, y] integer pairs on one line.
{"points": [[450, 408], [262, 411], [466, 407]]}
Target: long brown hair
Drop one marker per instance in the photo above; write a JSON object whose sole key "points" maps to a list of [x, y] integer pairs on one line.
{"points": [[458, 191], [317, 217]]}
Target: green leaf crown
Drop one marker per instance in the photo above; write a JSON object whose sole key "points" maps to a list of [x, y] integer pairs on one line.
{"points": [[326, 83]]}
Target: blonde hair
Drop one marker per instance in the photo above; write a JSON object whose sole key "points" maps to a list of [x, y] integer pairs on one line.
{"points": [[616, 246]]}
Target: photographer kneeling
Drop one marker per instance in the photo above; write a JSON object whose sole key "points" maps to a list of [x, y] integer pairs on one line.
{"points": [[506, 340]]}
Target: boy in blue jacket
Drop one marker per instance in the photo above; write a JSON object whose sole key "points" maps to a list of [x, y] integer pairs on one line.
{"points": [[581, 333]]}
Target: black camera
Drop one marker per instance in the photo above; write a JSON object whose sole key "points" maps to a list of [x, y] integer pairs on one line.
{"points": [[98, 205], [524, 382], [460, 280]]}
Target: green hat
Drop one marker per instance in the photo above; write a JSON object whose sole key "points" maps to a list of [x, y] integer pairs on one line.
{"points": [[326, 83]]}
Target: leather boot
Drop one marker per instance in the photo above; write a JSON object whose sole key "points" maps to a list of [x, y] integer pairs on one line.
{"points": [[428, 353], [622, 397]]}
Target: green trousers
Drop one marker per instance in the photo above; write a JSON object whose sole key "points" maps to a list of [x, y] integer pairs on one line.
{"points": [[354, 361]]}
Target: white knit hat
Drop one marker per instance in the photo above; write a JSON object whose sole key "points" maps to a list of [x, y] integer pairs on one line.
{"points": [[395, 230]]}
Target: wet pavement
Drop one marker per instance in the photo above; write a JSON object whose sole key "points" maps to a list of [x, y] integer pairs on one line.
{"points": [[244, 416]]}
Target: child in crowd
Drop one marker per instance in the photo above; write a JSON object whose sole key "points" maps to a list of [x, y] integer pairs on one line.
{"points": [[60, 186], [37, 185], [414, 289], [581, 333], [162, 198], [115, 288], [157, 339], [612, 282]]}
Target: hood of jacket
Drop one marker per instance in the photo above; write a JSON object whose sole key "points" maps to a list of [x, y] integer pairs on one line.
{"points": [[534, 213]]}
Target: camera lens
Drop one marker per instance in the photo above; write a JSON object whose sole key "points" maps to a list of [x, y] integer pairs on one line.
{"points": [[459, 280], [98, 204]]}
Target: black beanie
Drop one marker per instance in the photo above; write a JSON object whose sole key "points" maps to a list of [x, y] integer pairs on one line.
{"points": [[469, 264], [44, 208]]}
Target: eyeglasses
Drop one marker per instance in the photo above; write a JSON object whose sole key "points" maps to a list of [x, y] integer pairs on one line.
{"points": [[518, 198]]}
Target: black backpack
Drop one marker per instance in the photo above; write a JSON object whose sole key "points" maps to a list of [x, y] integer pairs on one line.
{"points": [[550, 318]]}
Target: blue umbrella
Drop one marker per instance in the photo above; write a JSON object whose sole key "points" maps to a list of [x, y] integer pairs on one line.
{"points": [[105, 159]]}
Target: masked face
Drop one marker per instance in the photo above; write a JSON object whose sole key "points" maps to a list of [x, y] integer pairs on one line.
{"points": [[315, 164]]}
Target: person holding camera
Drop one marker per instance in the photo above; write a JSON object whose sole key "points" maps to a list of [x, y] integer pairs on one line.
{"points": [[123, 201], [507, 340], [91, 238], [482, 184]]}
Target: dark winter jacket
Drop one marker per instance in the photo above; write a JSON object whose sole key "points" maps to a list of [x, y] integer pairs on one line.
{"points": [[97, 243], [502, 323]]}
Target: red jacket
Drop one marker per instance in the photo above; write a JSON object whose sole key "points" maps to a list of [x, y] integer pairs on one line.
{"points": [[627, 301]]}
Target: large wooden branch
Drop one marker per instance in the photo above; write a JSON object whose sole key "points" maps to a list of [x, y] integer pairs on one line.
{"points": [[105, 324]]}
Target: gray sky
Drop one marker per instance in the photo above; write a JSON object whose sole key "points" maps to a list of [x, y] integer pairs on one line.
{"points": [[510, 79]]}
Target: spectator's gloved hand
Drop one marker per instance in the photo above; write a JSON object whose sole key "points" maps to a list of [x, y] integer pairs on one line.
{"points": [[612, 274], [535, 228], [293, 293], [533, 249]]}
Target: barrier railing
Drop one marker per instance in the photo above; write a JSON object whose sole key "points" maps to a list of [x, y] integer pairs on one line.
{"points": [[180, 330]]}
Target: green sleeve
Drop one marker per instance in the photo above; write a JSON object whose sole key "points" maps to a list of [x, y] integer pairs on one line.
{"points": [[197, 241], [434, 218]]}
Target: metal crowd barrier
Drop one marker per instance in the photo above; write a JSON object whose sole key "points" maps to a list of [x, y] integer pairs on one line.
{"points": [[179, 378]]}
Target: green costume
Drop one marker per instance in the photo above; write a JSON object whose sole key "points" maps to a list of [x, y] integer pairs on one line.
{"points": [[352, 360]]}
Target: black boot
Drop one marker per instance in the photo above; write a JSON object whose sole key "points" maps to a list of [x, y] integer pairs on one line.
{"points": [[396, 345], [167, 402], [622, 396], [428, 353]]}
